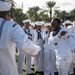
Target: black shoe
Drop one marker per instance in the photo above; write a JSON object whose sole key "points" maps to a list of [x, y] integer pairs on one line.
{"points": [[33, 65], [32, 69], [24, 70], [71, 74], [31, 74], [42, 73], [37, 72], [56, 73]]}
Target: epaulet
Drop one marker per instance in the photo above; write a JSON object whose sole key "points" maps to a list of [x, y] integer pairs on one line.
{"points": [[14, 24]]}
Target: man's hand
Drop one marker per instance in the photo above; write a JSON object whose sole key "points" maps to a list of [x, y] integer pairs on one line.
{"points": [[29, 38], [63, 33]]}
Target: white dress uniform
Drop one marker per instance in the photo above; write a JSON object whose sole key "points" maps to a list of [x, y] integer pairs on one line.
{"points": [[63, 51], [32, 58], [38, 40], [49, 56], [12, 34], [70, 30], [73, 34], [28, 57], [39, 58], [30, 33]]}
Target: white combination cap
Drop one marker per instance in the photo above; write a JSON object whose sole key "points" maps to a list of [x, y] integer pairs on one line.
{"points": [[43, 22], [47, 24], [67, 22], [39, 23], [27, 20], [5, 6], [33, 24]]}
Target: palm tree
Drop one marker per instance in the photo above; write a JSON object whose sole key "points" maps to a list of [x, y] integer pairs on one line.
{"points": [[33, 12], [50, 5], [72, 12]]}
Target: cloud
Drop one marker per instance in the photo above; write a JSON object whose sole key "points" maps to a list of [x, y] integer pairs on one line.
{"points": [[63, 4], [66, 3]]}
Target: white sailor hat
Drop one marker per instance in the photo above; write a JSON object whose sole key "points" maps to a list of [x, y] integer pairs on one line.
{"points": [[67, 22], [33, 24], [42, 22], [5, 6], [27, 20], [39, 23], [47, 24]]}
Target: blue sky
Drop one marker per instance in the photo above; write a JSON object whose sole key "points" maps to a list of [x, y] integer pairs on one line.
{"points": [[63, 4]]}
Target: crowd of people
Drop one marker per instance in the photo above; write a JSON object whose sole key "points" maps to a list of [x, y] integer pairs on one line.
{"points": [[57, 43], [50, 47]]}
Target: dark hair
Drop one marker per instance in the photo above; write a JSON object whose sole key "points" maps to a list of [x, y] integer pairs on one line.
{"points": [[3, 14], [58, 20]]}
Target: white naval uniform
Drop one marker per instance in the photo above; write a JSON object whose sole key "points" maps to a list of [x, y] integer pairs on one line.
{"points": [[39, 66], [49, 56], [10, 36], [70, 30], [63, 52], [73, 34], [28, 57]]}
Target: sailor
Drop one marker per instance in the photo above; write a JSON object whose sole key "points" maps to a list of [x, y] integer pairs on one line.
{"points": [[12, 36], [49, 53], [58, 38], [68, 24], [38, 40], [30, 32]]}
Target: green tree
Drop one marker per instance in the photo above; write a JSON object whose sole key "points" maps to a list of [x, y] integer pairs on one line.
{"points": [[43, 16], [33, 13], [16, 13], [50, 7], [61, 14], [19, 16], [72, 13]]}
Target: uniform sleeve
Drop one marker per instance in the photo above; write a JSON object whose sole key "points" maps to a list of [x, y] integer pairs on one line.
{"points": [[52, 40], [44, 36], [73, 35], [35, 36], [71, 42], [22, 41]]}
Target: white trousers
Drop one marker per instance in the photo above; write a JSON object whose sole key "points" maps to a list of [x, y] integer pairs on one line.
{"points": [[71, 71], [28, 64], [39, 61], [63, 64], [49, 62], [32, 60], [20, 63], [74, 57]]}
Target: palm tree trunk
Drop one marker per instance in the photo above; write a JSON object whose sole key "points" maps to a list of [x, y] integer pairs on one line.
{"points": [[50, 15]]}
